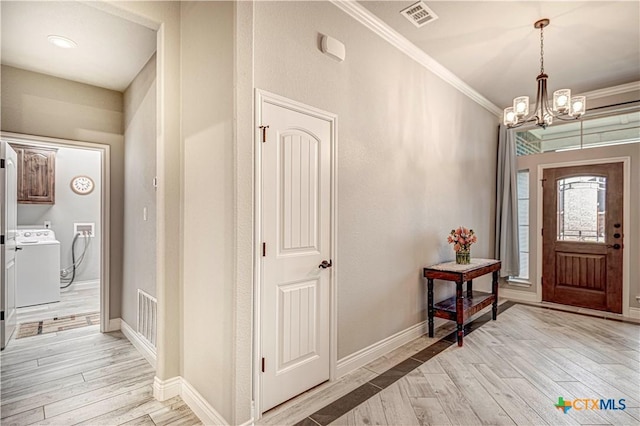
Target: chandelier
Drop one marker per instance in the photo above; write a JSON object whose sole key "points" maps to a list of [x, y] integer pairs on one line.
{"points": [[564, 108]]}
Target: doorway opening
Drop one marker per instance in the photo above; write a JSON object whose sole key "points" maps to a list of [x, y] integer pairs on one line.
{"points": [[62, 242]]}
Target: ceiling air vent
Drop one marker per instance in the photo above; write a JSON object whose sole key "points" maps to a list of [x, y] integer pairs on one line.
{"points": [[419, 14]]}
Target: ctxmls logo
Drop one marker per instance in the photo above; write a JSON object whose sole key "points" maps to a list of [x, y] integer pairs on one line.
{"points": [[590, 404]]}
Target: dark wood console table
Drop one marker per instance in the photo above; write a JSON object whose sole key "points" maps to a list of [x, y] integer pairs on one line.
{"points": [[460, 307]]}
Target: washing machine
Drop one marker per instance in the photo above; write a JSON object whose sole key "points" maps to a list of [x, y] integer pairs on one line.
{"points": [[37, 267]]}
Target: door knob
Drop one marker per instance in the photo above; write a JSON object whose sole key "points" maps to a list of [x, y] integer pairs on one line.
{"points": [[18, 248], [615, 246], [325, 264]]}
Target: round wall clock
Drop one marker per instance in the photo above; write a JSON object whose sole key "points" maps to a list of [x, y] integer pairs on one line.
{"points": [[82, 185]]}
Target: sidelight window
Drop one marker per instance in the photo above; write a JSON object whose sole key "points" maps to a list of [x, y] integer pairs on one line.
{"points": [[523, 226]]}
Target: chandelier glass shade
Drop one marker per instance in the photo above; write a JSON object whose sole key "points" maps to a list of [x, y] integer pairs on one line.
{"points": [[563, 106]]}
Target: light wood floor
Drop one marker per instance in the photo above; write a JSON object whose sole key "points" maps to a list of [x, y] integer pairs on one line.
{"points": [[78, 298], [509, 371], [309, 402], [83, 377], [513, 370]]}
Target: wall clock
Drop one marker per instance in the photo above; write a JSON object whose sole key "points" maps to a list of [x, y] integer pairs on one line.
{"points": [[82, 185]]}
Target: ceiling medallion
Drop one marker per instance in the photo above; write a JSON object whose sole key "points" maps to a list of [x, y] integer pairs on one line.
{"points": [[564, 106]]}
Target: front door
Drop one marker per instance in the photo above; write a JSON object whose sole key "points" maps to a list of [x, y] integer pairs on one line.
{"points": [[296, 240], [583, 236], [8, 226]]}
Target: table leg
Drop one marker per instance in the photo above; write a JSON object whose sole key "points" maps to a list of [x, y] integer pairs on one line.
{"points": [[430, 305], [494, 309], [459, 311], [470, 289]]}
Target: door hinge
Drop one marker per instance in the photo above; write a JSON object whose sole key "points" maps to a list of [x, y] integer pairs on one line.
{"points": [[542, 231], [263, 363], [264, 132], [264, 249], [1, 163], [1, 315], [1, 239], [541, 281]]}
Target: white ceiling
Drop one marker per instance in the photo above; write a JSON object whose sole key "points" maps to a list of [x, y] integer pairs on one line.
{"points": [[494, 48], [110, 53], [491, 45]]}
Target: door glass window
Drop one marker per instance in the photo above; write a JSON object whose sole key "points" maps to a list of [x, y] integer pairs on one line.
{"points": [[581, 209]]}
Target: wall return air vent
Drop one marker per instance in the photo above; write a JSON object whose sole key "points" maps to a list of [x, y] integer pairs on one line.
{"points": [[419, 14]]}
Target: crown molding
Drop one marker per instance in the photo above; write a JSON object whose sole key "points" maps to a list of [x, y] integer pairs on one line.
{"points": [[615, 90], [369, 20]]}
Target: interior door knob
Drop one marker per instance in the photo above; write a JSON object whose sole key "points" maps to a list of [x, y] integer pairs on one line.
{"points": [[325, 264], [615, 246]]}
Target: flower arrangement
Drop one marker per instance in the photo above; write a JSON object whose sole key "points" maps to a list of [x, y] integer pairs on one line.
{"points": [[462, 238]]}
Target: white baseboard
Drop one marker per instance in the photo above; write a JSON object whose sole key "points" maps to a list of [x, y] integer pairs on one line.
{"points": [[114, 325], [518, 296], [166, 389], [249, 422], [148, 352], [634, 313], [372, 352], [178, 386], [205, 412]]}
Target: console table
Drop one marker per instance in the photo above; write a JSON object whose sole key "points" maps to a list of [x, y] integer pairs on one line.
{"points": [[462, 306]]}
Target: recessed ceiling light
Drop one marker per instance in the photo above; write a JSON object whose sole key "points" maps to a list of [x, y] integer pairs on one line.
{"points": [[65, 43]]}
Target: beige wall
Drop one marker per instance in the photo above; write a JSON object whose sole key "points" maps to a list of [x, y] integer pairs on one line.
{"points": [[139, 260], [412, 133], [617, 99], [41, 105], [244, 166], [165, 17], [415, 158], [207, 133]]}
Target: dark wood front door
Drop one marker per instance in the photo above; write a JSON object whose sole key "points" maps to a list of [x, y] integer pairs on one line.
{"points": [[582, 236]]}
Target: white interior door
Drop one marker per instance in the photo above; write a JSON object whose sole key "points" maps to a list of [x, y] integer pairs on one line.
{"points": [[296, 231], [8, 226]]}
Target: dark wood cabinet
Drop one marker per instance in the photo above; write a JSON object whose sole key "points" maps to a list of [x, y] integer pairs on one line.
{"points": [[36, 174]]}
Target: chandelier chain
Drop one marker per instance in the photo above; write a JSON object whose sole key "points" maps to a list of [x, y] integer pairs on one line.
{"points": [[541, 50]]}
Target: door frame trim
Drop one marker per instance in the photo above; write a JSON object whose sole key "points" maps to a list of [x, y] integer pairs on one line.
{"points": [[265, 96], [626, 217], [105, 206]]}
